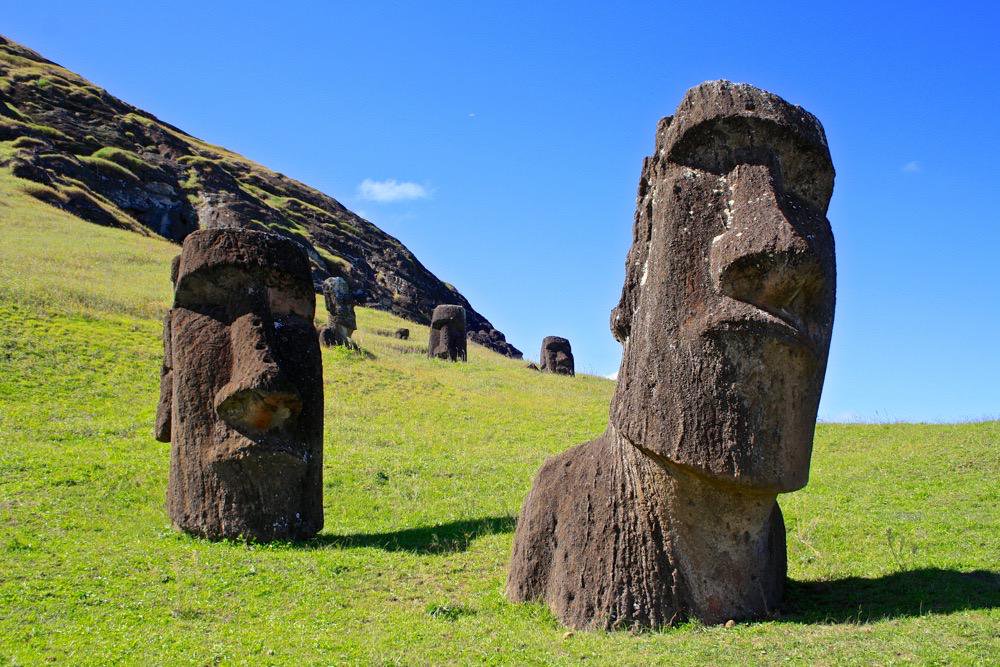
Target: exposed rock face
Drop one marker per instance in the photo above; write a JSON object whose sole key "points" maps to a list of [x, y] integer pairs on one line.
{"points": [[447, 339], [725, 317], [402, 334], [113, 164], [557, 356], [242, 390], [496, 341], [341, 322]]}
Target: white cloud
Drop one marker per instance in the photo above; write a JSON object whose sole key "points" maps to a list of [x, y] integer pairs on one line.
{"points": [[391, 190], [613, 376], [911, 167]]}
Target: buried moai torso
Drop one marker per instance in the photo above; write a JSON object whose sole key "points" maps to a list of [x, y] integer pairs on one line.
{"points": [[725, 318], [341, 322], [447, 338], [242, 393], [557, 356]]}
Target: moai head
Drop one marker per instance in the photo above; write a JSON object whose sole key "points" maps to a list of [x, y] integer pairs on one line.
{"points": [[245, 394], [339, 303], [728, 303], [447, 340], [557, 356], [341, 321]]}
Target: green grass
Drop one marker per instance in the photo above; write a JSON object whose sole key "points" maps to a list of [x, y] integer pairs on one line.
{"points": [[893, 546]]}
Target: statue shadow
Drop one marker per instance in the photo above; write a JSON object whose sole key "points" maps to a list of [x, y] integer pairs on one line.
{"points": [[443, 538], [902, 594]]}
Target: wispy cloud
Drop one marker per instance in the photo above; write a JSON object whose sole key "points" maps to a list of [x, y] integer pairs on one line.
{"points": [[911, 167], [391, 190]]}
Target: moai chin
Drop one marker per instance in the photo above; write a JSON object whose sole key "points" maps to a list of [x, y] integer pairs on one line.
{"points": [[725, 318], [557, 356], [242, 389], [447, 339], [341, 322]]}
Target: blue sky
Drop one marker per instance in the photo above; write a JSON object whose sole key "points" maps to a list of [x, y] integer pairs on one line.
{"points": [[502, 142]]}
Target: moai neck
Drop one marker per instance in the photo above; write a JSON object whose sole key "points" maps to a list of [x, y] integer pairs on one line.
{"points": [[728, 546]]}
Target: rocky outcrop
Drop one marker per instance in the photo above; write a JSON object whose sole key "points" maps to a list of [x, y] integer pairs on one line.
{"points": [[113, 164]]}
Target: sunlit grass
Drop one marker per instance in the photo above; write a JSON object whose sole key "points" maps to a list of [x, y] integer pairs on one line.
{"points": [[893, 546]]}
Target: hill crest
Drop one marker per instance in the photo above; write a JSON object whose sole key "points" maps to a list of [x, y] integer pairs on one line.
{"points": [[103, 160]]}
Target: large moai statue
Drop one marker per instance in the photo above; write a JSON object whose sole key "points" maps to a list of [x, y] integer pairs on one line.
{"points": [[447, 340], [242, 389], [725, 318], [341, 322], [557, 356]]}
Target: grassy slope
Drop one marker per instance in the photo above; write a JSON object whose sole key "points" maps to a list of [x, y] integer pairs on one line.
{"points": [[426, 465]]}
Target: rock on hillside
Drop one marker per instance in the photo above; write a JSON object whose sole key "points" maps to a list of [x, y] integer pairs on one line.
{"points": [[87, 152]]}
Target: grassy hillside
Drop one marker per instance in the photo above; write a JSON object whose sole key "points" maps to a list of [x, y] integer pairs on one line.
{"points": [[893, 547], [79, 148]]}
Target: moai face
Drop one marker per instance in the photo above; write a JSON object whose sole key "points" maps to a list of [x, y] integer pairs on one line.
{"points": [[339, 303], [557, 356], [246, 391], [447, 339], [728, 303]]}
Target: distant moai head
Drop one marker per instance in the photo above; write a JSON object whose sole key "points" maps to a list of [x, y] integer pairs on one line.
{"points": [[557, 356], [243, 389], [447, 339], [727, 308], [341, 320]]}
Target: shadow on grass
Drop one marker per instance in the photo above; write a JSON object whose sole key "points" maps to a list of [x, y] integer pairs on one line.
{"points": [[440, 539], [903, 594]]}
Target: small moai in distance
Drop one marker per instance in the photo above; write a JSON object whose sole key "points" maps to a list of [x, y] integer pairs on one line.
{"points": [[447, 339], [725, 319], [402, 333], [557, 356], [241, 399], [341, 320]]}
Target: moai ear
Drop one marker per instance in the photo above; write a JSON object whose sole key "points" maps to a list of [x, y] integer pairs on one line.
{"points": [[635, 263], [161, 430], [175, 264]]}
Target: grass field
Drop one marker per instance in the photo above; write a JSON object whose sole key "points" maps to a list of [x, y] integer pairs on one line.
{"points": [[894, 547]]}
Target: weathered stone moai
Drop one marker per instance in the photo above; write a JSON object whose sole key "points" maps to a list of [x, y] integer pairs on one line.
{"points": [[402, 334], [725, 318], [557, 356], [447, 340], [341, 321], [241, 397]]}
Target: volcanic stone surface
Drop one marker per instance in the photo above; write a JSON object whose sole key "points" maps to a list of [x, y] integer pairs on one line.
{"points": [[557, 356], [341, 321], [242, 390], [110, 163], [447, 338], [725, 317], [402, 333]]}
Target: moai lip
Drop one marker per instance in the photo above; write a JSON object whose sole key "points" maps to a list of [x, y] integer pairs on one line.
{"points": [[725, 319], [447, 337], [242, 390], [557, 356]]}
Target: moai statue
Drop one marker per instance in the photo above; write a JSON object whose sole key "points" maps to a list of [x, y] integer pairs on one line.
{"points": [[242, 389], [557, 356], [447, 339], [402, 333], [341, 322], [725, 318]]}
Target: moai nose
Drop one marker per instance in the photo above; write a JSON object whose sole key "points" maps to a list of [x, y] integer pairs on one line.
{"points": [[766, 256], [258, 398]]}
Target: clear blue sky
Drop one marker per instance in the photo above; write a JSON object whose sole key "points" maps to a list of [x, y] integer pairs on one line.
{"points": [[525, 124]]}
